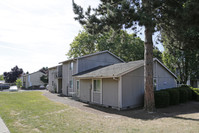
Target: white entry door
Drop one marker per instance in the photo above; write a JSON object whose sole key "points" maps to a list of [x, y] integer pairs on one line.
{"points": [[97, 91]]}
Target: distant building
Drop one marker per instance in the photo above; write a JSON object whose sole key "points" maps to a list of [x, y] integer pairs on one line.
{"points": [[32, 79]]}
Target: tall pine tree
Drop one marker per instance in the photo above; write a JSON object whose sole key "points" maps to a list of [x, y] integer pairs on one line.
{"points": [[128, 14]]}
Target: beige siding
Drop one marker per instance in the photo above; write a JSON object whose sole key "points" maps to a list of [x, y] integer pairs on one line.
{"points": [[96, 97], [133, 88], [52, 82], [33, 79], [64, 78], [85, 89], [164, 79], [110, 92], [67, 77]]}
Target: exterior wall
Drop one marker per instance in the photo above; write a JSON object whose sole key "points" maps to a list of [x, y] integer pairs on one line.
{"points": [[59, 71], [32, 79], [59, 85], [95, 61], [164, 79], [52, 82], [133, 84], [133, 88], [110, 92], [80, 65], [96, 97], [128, 90], [23, 80], [85, 90], [67, 77]]}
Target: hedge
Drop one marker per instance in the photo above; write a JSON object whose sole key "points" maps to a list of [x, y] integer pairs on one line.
{"points": [[195, 92], [183, 95], [161, 99], [189, 91], [174, 96]]}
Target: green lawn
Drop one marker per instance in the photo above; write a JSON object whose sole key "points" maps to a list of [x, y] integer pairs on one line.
{"points": [[31, 112]]}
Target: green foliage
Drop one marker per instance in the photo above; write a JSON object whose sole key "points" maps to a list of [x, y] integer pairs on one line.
{"points": [[174, 96], [127, 46], [1, 77], [11, 77], [183, 63], [162, 99], [152, 14], [180, 38], [181, 27], [183, 95], [19, 83], [157, 54], [189, 91], [195, 92], [83, 44], [44, 78]]}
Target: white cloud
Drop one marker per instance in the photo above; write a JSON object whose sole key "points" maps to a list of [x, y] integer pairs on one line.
{"points": [[36, 33]]}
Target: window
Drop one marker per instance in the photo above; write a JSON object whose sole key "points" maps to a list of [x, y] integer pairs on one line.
{"points": [[71, 84], [77, 84], [71, 65], [77, 87], [154, 84], [97, 85]]}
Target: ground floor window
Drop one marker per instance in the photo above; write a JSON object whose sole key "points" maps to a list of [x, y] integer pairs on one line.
{"points": [[97, 85], [71, 84], [155, 84], [77, 84]]}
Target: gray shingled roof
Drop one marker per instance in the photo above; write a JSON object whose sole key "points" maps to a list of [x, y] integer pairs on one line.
{"points": [[114, 70]]}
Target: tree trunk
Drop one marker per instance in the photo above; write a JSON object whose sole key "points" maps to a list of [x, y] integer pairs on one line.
{"points": [[149, 102]]}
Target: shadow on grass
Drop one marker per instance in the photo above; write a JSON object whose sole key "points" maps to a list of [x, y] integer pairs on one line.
{"points": [[139, 113], [175, 112]]}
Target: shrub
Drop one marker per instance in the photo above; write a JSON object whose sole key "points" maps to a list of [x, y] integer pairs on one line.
{"points": [[183, 95], [174, 96], [19, 83], [195, 93], [161, 99], [190, 94]]}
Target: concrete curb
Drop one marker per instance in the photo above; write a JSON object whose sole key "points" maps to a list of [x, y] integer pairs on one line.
{"points": [[3, 127]]}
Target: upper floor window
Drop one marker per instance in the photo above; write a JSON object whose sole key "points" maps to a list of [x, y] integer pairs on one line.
{"points": [[71, 65]]}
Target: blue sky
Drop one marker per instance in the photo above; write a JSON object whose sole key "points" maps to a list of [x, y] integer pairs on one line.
{"points": [[37, 33]]}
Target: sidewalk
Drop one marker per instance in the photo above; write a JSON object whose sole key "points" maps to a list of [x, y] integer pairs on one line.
{"points": [[3, 128]]}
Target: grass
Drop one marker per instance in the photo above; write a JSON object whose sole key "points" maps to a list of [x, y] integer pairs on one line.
{"points": [[31, 112]]}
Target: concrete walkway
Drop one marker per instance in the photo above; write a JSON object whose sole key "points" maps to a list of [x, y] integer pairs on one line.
{"points": [[3, 128]]}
